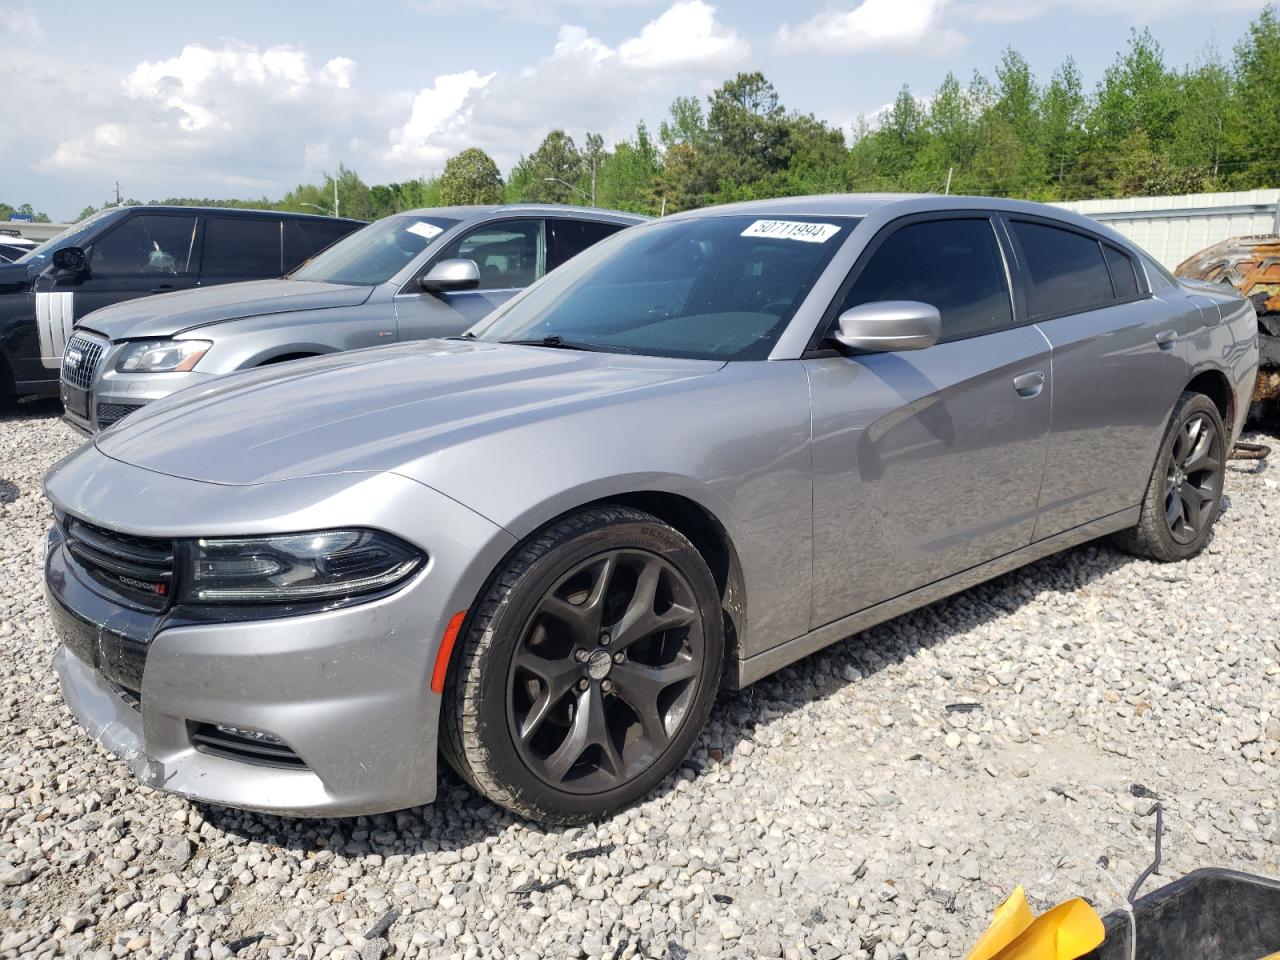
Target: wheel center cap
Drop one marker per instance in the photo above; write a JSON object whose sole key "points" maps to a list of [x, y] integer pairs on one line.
{"points": [[598, 664], [1179, 478]]}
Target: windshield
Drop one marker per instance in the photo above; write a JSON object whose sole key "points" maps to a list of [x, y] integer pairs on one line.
{"points": [[376, 253], [712, 288], [74, 236]]}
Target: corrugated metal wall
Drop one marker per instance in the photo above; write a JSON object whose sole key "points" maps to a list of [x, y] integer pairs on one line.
{"points": [[1173, 228]]}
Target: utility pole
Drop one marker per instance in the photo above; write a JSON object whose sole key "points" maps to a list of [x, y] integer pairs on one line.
{"points": [[335, 196], [947, 191], [593, 180], [117, 193]]}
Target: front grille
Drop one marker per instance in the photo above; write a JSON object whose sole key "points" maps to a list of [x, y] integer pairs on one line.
{"points": [[109, 413], [221, 741], [137, 569], [80, 362]]}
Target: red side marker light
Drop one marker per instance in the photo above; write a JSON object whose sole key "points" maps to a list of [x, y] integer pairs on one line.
{"points": [[446, 650]]}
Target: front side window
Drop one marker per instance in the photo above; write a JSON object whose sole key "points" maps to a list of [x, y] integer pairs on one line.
{"points": [[509, 253], [247, 247], [145, 244], [712, 288], [954, 265], [376, 253], [1066, 270]]}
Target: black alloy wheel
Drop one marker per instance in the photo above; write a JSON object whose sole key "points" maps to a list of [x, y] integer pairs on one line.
{"points": [[1193, 480]]}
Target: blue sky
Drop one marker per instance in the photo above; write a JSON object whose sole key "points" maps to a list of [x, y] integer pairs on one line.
{"points": [[247, 99]]}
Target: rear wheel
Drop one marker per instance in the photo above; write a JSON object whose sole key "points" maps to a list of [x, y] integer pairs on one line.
{"points": [[588, 668], [1184, 494]]}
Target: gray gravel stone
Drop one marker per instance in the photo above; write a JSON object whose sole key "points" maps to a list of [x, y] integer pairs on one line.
{"points": [[835, 809]]}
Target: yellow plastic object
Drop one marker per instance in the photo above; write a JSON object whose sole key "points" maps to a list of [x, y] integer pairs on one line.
{"points": [[1007, 923], [1272, 956], [1068, 931]]}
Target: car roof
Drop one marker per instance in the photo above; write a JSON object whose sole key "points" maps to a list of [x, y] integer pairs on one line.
{"points": [[889, 206], [546, 209], [248, 212]]}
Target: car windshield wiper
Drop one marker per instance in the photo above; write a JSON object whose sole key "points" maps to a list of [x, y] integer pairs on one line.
{"points": [[558, 342]]}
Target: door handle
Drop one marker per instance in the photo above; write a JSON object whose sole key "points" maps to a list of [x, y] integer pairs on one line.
{"points": [[1165, 339], [1029, 384]]}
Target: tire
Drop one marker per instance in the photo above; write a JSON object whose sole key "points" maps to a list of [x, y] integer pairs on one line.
{"points": [[601, 640], [1173, 488]]}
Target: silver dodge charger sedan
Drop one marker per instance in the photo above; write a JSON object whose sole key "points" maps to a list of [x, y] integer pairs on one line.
{"points": [[411, 276], [706, 447]]}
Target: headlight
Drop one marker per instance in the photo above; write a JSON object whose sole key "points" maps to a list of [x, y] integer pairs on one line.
{"points": [[162, 356], [324, 565]]}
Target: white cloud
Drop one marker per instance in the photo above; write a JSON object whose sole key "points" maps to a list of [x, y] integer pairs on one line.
{"points": [[687, 34], [582, 84], [22, 20], [437, 110], [871, 26]]}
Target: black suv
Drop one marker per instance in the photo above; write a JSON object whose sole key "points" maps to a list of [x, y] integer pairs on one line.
{"points": [[127, 252]]}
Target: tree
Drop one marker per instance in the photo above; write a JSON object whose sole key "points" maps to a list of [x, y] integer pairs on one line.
{"points": [[626, 178], [471, 177], [550, 174], [1256, 134]]}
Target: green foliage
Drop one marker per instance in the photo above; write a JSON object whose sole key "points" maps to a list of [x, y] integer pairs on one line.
{"points": [[471, 178], [1146, 128], [23, 209]]}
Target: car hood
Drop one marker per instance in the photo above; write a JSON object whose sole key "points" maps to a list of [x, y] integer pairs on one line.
{"points": [[167, 314], [389, 408]]}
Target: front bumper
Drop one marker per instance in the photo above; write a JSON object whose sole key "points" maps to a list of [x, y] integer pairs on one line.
{"points": [[115, 395], [347, 690]]}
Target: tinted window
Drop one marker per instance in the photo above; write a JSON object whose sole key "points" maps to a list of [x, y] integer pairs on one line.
{"points": [[246, 248], [509, 253], [1067, 272], [1122, 274], [714, 288], [145, 244], [570, 237], [322, 233], [955, 265]]}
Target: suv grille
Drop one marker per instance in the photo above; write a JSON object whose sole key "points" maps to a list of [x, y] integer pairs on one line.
{"points": [[220, 741], [109, 413], [138, 569], [80, 362]]}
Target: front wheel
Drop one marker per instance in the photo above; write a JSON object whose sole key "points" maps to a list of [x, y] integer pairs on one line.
{"points": [[587, 669], [1184, 494]]}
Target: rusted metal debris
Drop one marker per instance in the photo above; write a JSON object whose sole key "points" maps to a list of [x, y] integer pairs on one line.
{"points": [[1250, 264]]}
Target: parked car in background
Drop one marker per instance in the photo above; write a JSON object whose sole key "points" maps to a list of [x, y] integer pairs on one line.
{"points": [[14, 245], [123, 253], [700, 451], [424, 273]]}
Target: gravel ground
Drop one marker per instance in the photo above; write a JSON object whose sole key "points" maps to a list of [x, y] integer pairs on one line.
{"points": [[876, 800]]}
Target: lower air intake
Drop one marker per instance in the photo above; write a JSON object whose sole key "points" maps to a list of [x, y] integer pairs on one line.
{"points": [[247, 746]]}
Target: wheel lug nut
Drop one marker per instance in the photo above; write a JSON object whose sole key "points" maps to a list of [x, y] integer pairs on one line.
{"points": [[619, 657], [581, 656], [584, 683], [607, 686], [605, 639]]}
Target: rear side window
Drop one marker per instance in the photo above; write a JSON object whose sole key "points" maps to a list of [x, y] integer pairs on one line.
{"points": [[1066, 270], [243, 248], [954, 264], [1123, 277], [570, 237], [146, 244]]}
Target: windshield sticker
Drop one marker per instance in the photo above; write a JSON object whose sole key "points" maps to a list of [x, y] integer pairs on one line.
{"points": [[792, 230], [424, 229]]}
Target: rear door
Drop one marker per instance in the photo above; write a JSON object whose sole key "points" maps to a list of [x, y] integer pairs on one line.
{"points": [[1116, 369], [241, 248], [927, 462], [511, 254]]}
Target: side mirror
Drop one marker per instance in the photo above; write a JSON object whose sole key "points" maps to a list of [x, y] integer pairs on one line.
{"points": [[449, 275], [71, 260], [889, 325]]}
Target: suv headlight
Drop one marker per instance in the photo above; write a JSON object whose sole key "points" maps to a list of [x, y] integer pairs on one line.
{"points": [[323, 565], [162, 356]]}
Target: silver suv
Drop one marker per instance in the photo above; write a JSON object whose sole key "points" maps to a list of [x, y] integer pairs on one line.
{"points": [[707, 447], [425, 273]]}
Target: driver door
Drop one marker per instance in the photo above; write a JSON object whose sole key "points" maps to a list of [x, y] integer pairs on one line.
{"points": [[511, 254]]}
